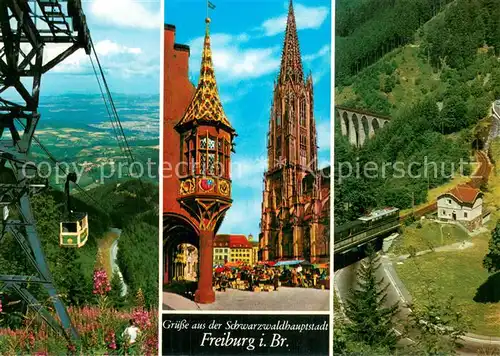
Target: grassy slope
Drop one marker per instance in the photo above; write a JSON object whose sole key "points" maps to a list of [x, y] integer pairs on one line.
{"points": [[427, 237], [416, 78], [461, 272]]}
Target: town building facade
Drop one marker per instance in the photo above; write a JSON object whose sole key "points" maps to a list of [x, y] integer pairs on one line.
{"points": [[295, 202], [255, 248], [233, 249]]}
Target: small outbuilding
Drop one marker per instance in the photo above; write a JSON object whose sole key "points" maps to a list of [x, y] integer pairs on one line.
{"points": [[463, 204]]}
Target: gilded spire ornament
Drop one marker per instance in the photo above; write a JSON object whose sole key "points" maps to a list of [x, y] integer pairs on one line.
{"points": [[206, 105]]}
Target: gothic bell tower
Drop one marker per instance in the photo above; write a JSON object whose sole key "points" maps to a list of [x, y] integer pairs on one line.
{"points": [[205, 187], [292, 154]]}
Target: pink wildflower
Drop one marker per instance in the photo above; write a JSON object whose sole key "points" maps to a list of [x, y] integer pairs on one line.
{"points": [[31, 340], [142, 319], [71, 348], [101, 283], [110, 340]]}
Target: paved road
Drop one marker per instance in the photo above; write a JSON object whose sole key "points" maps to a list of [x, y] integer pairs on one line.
{"points": [[114, 266], [286, 298], [495, 124], [345, 279]]}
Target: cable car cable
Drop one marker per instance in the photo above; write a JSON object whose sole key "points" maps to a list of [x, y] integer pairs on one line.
{"points": [[57, 163], [115, 130], [128, 150]]}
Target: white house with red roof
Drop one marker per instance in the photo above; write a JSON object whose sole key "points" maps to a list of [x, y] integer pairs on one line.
{"points": [[463, 204]]}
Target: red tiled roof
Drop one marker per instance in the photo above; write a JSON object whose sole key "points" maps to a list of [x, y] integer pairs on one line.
{"points": [[233, 241], [221, 241], [464, 193]]}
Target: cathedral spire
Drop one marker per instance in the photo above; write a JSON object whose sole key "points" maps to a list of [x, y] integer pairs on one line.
{"points": [[206, 105], [291, 63]]}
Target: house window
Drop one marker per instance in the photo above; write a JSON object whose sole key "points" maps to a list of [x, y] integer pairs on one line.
{"points": [[449, 201], [465, 215], [444, 212]]}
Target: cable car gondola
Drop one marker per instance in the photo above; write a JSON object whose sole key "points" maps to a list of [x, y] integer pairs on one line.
{"points": [[74, 229]]}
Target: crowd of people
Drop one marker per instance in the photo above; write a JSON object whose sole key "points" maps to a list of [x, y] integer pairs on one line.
{"points": [[250, 278]]}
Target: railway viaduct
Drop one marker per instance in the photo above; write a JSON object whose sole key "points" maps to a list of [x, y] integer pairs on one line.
{"points": [[358, 125]]}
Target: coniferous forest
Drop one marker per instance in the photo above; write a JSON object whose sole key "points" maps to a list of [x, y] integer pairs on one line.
{"points": [[98, 309], [433, 67], [436, 82]]}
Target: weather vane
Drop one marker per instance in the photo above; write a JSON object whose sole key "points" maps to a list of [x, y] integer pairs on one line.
{"points": [[210, 6]]}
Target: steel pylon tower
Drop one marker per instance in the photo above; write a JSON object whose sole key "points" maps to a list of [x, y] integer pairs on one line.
{"points": [[26, 27]]}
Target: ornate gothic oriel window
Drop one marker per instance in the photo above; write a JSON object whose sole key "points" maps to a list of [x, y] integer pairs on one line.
{"points": [[211, 153]]}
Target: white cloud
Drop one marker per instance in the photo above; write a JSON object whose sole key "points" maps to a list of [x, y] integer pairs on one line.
{"points": [[323, 132], [108, 47], [243, 217], [232, 61], [235, 60], [319, 62], [114, 57], [325, 50], [305, 17], [248, 172], [127, 13]]}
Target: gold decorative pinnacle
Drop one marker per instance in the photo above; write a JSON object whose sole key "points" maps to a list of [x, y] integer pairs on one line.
{"points": [[206, 104]]}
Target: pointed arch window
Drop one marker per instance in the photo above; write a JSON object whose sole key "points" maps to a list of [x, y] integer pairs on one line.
{"points": [[207, 155], [303, 158], [302, 112], [278, 147]]}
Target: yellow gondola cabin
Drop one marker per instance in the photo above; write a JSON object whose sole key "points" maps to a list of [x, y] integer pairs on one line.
{"points": [[74, 228], [74, 233]]}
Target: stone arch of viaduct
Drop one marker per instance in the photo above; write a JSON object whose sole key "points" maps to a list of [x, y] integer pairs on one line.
{"points": [[359, 125]]}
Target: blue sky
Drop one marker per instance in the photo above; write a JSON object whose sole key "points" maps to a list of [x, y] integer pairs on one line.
{"points": [[247, 39], [127, 35]]}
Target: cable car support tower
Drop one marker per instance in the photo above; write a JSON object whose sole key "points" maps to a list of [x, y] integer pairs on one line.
{"points": [[26, 26]]}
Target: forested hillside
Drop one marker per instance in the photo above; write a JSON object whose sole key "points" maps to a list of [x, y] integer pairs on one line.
{"points": [[437, 86], [129, 206], [368, 29]]}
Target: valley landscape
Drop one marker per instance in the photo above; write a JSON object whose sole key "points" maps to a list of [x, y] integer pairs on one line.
{"points": [[429, 72], [79, 133]]}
